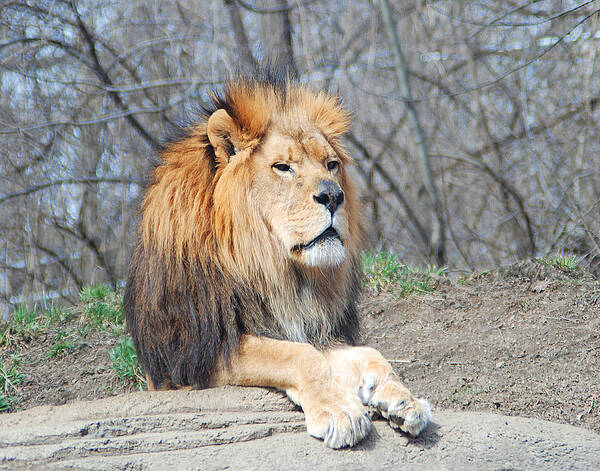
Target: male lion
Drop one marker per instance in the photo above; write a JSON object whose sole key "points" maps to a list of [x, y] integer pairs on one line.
{"points": [[247, 268]]}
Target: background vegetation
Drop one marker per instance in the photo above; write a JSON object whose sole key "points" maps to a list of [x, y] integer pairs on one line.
{"points": [[476, 133], [60, 332]]}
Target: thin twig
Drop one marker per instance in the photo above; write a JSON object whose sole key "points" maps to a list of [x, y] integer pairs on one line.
{"points": [[69, 181]]}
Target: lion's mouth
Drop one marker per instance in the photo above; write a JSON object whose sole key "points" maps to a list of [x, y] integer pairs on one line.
{"points": [[328, 234]]}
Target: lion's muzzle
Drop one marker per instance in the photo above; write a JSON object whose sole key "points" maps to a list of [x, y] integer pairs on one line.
{"points": [[327, 234], [329, 195]]}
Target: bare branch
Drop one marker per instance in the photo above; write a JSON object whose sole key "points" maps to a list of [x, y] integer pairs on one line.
{"points": [[239, 31], [69, 181], [279, 9], [103, 75], [393, 187], [481, 165]]}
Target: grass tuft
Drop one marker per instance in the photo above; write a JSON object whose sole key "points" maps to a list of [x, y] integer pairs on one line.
{"points": [[100, 311], [61, 344], [9, 379], [28, 323], [125, 362], [103, 309], [385, 272], [562, 262], [95, 293], [101, 314]]}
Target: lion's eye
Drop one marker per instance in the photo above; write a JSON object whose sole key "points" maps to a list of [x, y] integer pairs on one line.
{"points": [[332, 165], [282, 167]]}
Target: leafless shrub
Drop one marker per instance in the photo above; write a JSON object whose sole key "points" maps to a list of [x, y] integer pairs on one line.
{"points": [[505, 98]]}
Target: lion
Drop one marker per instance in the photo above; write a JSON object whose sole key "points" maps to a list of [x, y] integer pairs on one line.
{"points": [[247, 268]]}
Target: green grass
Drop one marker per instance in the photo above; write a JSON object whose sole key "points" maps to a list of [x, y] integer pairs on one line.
{"points": [[102, 314], [61, 344], [100, 310], [125, 362], [9, 379], [28, 323], [385, 272], [95, 293], [562, 262], [103, 309], [25, 325]]}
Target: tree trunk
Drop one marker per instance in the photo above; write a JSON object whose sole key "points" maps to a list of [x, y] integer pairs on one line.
{"points": [[438, 230]]}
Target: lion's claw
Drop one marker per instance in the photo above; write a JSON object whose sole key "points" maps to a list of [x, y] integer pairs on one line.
{"points": [[339, 425], [395, 403], [412, 418]]}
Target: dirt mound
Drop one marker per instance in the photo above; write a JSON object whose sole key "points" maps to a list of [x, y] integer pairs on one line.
{"points": [[249, 428], [520, 341]]}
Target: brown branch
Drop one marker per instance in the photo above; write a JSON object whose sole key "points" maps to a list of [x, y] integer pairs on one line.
{"points": [[239, 33], [89, 122], [393, 186], [535, 130], [481, 165], [80, 234], [280, 9], [277, 38], [103, 75], [438, 232], [67, 48], [68, 181], [61, 261]]}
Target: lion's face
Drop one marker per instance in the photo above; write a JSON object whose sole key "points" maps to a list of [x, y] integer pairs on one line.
{"points": [[281, 192], [298, 188]]}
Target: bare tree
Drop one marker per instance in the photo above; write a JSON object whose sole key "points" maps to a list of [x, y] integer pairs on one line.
{"points": [[476, 130], [438, 231]]}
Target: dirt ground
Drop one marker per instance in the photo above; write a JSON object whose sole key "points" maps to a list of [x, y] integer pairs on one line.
{"points": [[522, 341], [83, 373]]}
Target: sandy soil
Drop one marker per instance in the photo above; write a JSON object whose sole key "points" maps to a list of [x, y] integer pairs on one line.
{"points": [[524, 341]]}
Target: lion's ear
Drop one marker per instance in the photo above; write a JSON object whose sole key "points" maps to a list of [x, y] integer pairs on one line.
{"points": [[222, 134]]}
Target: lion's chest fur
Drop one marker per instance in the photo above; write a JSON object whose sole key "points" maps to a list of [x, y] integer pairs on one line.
{"points": [[305, 318], [312, 311]]}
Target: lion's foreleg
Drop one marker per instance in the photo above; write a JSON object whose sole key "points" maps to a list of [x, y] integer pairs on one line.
{"points": [[150, 383], [372, 378], [332, 412]]}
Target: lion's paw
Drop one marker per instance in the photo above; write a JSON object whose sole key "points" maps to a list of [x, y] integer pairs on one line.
{"points": [[411, 418], [340, 422], [395, 403]]}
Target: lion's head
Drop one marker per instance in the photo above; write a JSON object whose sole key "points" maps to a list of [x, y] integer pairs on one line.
{"points": [[250, 225], [276, 175]]}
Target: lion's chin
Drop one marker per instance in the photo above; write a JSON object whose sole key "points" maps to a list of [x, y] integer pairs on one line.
{"points": [[329, 252]]}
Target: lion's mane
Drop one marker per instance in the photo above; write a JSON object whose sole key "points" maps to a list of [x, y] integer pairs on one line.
{"points": [[205, 271]]}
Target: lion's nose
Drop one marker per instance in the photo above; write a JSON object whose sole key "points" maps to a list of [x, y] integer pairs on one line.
{"points": [[329, 195]]}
